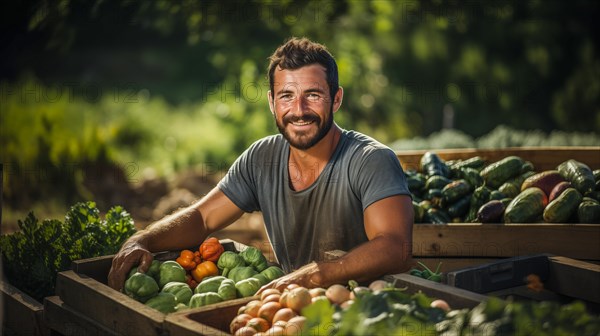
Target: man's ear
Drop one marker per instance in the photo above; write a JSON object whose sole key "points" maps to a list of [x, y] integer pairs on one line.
{"points": [[271, 106], [337, 99]]}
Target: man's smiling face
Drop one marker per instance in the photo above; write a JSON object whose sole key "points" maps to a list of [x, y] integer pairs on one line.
{"points": [[301, 105]]}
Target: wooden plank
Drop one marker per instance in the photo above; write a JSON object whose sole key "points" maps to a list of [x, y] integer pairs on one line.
{"points": [[574, 278], [578, 241], [543, 158], [21, 315], [457, 298], [211, 320], [63, 319], [448, 264], [108, 307]]}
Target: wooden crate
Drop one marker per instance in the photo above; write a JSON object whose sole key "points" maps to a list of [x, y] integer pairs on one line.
{"points": [[215, 320], [21, 314], [68, 322], [578, 241], [564, 279], [543, 158], [462, 240], [90, 305]]}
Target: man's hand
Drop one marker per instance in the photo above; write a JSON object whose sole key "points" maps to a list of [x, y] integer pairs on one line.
{"points": [[133, 253], [308, 276]]}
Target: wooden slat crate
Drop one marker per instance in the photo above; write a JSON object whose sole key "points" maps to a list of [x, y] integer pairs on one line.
{"points": [[215, 320], [543, 158], [90, 305], [578, 241], [462, 240], [563, 279], [21, 314], [68, 322]]}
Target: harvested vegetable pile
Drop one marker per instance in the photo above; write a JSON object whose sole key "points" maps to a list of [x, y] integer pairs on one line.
{"points": [[202, 277], [382, 309], [33, 256], [509, 190]]}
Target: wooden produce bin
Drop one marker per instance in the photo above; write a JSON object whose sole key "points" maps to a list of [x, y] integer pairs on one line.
{"points": [[86, 305], [215, 320], [460, 244], [561, 279], [20, 313]]}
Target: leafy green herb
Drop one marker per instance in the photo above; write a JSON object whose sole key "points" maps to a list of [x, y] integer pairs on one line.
{"points": [[394, 312], [34, 255]]}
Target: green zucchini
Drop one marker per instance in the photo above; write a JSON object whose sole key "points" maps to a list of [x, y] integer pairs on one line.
{"points": [[472, 176], [509, 189], [506, 201], [527, 207], [497, 195], [588, 211], [519, 179], [431, 164], [436, 182], [527, 167], [415, 182], [460, 207], [565, 205], [475, 162], [455, 190], [500, 171], [479, 197], [437, 216], [596, 174], [579, 174]]}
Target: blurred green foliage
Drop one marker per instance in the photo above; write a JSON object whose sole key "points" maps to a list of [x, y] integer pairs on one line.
{"points": [[172, 84]]}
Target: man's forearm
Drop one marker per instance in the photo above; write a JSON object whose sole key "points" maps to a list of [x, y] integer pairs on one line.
{"points": [[182, 229], [379, 256]]}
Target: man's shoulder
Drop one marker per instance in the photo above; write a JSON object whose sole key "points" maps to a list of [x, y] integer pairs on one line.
{"points": [[359, 142], [266, 146]]}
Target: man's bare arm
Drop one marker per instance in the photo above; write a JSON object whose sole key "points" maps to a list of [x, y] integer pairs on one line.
{"points": [[388, 224], [186, 227]]}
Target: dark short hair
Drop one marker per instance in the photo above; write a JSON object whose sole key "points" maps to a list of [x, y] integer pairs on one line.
{"points": [[299, 52]]}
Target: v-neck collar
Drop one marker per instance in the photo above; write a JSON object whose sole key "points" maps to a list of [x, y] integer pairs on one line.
{"points": [[325, 171]]}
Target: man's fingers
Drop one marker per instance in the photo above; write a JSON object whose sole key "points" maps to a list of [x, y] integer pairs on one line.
{"points": [[116, 276], [122, 265], [145, 262]]}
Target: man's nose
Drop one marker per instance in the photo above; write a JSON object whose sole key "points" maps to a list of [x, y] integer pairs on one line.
{"points": [[300, 106]]}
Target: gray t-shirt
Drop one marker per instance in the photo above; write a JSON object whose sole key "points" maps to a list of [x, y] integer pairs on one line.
{"points": [[328, 215]]}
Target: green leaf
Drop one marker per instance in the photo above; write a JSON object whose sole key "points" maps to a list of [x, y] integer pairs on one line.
{"points": [[319, 317]]}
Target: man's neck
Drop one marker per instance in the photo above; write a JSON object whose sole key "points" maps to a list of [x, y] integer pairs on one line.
{"points": [[305, 166]]}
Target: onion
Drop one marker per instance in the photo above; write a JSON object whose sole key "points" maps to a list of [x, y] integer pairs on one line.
{"points": [[268, 310], [295, 326], [337, 294], [298, 298]]}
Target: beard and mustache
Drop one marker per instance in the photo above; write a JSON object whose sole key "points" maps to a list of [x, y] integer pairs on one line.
{"points": [[305, 140]]}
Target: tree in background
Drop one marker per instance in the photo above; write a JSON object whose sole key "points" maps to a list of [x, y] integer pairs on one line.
{"points": [[172, 84]]}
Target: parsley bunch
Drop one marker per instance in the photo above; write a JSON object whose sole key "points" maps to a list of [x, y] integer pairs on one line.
{"points": [[33, 256]]}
